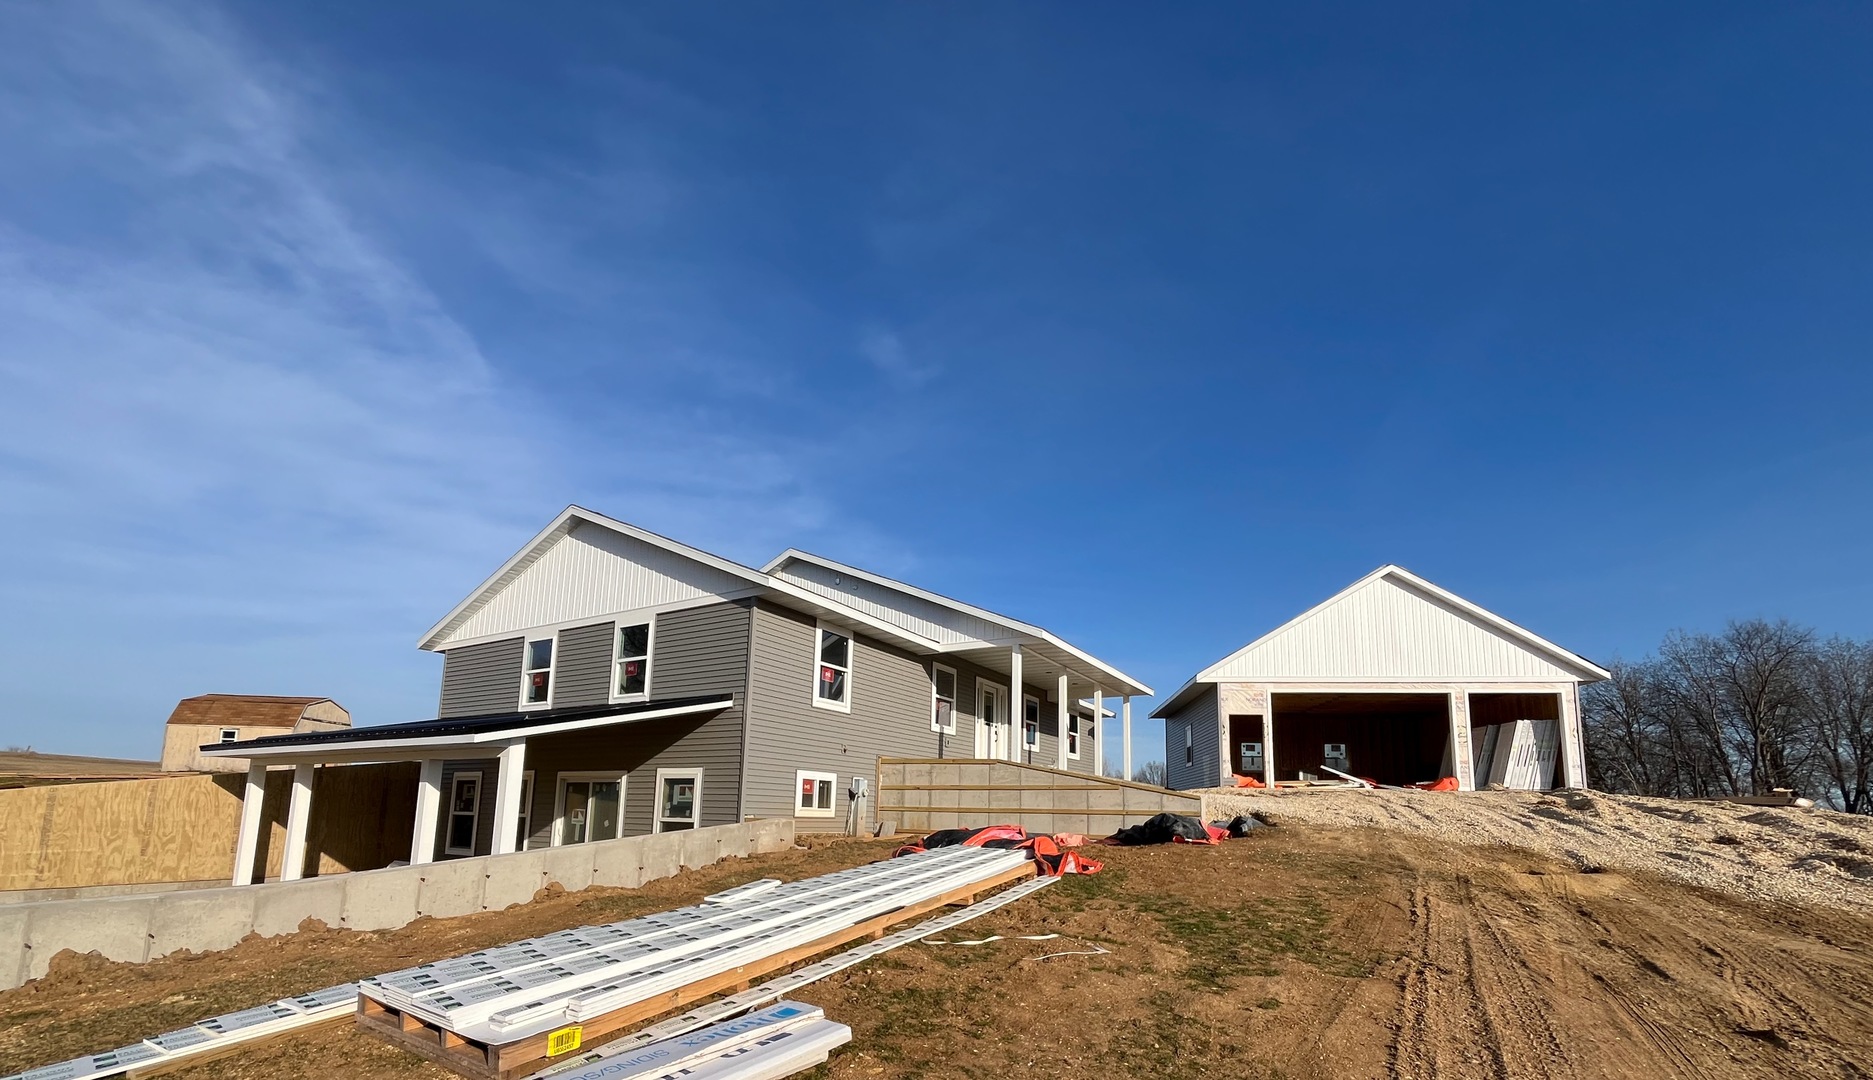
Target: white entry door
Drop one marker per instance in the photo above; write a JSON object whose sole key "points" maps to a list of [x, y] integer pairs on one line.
{"points": [[993, 730]]}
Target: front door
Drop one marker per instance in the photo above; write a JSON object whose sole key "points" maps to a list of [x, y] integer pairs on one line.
{"points": [[993, 721]]}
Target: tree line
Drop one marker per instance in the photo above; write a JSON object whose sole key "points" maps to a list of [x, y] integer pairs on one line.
{"points": [[1762, 705]]}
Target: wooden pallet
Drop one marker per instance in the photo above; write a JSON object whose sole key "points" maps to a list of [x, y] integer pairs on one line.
{"points": [[505, 1061]]}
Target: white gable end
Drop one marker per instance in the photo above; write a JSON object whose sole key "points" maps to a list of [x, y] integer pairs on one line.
{"points": [[913, 613], [1387, 629], [591, 572]]}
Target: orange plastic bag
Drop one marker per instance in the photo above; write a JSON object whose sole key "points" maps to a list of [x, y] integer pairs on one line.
{"points": [[1448, 783], [1248, 781]]}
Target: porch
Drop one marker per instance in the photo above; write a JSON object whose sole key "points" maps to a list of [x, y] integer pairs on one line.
{"points": [[493, 785]]}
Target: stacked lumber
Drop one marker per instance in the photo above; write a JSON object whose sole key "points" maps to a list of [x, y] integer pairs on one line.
{"points": [[495, 1013]]}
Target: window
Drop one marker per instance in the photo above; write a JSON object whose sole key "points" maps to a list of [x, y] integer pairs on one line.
{"points": [[813, 793], [526, 811], [591, 807], [942, 699], [679, 799], [229, 734], [1190, 754], [1031, 722], [832, 680], [464, 813], [630, 676], [536, 679], [1073, 737]]}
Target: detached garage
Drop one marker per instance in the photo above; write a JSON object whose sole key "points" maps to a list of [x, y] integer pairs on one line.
{"points": [[1392, 679]]}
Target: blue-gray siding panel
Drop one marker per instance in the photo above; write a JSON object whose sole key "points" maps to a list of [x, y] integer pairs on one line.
{"points": [[1203, 769], [480, 680], [582, 671]]}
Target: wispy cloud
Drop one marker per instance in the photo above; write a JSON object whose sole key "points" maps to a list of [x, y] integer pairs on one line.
{"points": [[887, 352], [244, 440]]}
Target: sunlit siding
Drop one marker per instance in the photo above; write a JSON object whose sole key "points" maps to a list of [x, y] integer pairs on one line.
{"points": [[1388, 630], [590, 572]]}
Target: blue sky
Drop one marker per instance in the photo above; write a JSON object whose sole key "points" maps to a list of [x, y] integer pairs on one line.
{"points": [[1154, 327]]}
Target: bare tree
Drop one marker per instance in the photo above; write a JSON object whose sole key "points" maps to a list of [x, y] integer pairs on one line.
{"points": [[1151, 772], [1625, 732], [1840, 682]]}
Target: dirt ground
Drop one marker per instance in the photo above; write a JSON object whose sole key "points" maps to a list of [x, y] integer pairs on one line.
{"points": [[1298, 952], [1803, 856]]}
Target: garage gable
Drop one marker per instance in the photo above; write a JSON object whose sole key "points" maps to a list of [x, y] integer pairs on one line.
{"points": [[1392, 624]]}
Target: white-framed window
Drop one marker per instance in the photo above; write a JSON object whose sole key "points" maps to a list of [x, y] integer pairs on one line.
{"points": [[832, 669], [589, 806], [630, 661], [536, 673], [464, 813], [525, 827], [1031, 722], [229, 734], [1073, 737], [679, 800], [943, 699], [813, 793], [1190, 752]]}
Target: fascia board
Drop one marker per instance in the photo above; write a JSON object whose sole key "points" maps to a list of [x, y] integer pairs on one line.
{"points": [[491, 739]]}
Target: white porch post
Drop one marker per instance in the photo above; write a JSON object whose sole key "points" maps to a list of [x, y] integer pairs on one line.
{"points": [[1125, 724], [298, 816], [247, 846], [428, 807], [507, 796], [1060, 743], [1015, 707], [1098, 729]]}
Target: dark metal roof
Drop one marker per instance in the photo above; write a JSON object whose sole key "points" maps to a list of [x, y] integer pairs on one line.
{"points": [[516, 722]]}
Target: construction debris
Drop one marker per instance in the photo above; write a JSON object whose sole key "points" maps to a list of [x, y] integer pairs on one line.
{"points": [[206, 1039]]}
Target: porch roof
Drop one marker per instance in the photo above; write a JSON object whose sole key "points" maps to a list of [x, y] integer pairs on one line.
{"points": [[463, 736]]}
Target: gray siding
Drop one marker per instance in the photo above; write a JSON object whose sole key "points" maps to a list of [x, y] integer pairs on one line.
{"points": [[890, 716], [1205, 768], [695, 652], [479, 680], [582, 668]]}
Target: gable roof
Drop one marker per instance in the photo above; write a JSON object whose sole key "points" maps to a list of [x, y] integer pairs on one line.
{"points": [[725, 572], [242, 710], [954, 626], [1448, 638]]}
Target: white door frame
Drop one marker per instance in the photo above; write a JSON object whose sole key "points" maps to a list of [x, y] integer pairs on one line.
{"points": [[985, 744], [449, 813], [559, 800]]}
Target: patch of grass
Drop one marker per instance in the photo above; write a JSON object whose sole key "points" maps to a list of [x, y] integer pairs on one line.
{"points": [[1076, 889], [1268, 1003], [1225, 943]]}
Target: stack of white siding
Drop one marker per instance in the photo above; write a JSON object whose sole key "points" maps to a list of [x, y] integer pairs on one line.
{"points": [[1519, 755], [516, 991]]}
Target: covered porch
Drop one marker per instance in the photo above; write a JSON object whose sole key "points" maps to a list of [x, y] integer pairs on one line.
{"points": [[1078, 689], [475, 791]]}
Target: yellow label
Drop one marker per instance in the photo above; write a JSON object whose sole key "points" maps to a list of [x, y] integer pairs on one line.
{"points": [[563, 1041]]}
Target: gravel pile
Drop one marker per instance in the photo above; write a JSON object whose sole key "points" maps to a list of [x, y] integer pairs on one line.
{"points": [[1810, 856]]}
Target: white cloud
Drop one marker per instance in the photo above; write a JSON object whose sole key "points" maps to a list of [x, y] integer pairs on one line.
{"points": [[888, 353], [243, 443]]}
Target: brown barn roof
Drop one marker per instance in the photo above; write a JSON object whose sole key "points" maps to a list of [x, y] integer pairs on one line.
{"points": [[249, 710]]}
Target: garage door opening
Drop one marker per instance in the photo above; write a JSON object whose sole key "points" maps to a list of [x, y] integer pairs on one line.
{"points": [[1386, 738]]}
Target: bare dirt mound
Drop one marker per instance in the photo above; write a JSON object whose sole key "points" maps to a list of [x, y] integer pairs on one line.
{"points": [[1808, 856]]}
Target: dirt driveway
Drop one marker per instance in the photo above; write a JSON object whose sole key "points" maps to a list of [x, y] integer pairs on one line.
{"points": [[1300, 952]]}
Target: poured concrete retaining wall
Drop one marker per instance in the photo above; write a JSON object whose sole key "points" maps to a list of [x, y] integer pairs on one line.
{"points": [[138, 928], [925, 794]]}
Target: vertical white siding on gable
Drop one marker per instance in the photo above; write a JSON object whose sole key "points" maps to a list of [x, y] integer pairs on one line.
{"points": [[590, 572], [1388, 630]]}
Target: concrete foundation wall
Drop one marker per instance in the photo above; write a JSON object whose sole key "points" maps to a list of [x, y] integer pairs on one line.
{"points": [[925, 794], [139, 928]]}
